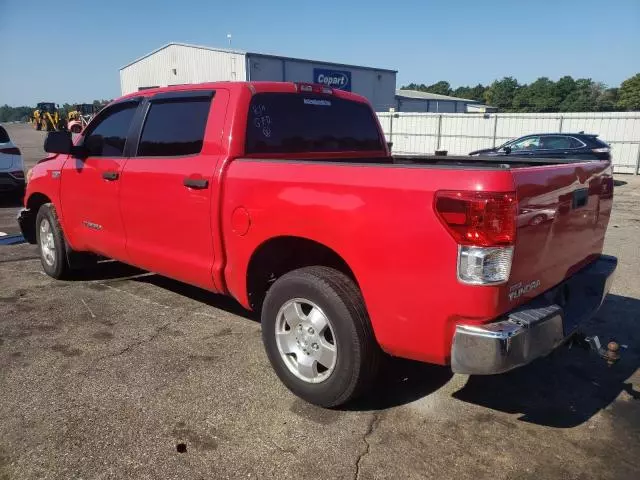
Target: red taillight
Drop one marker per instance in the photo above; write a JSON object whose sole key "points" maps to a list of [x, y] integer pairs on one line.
{"points": [[313, 88], [478, 218], [10, 151]]}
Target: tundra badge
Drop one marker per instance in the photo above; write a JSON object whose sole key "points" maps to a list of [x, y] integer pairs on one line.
{"points": [[517, 290]]}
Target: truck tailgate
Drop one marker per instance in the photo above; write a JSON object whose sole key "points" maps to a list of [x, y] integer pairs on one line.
{"points": [[562, 218]]}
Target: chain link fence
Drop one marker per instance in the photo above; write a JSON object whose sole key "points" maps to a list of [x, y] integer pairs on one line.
{"points": [[461, 133]]}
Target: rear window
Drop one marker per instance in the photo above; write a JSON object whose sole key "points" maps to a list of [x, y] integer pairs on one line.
{"points": [[295, 123], [4, 136], [174, 127], [597, 142]]}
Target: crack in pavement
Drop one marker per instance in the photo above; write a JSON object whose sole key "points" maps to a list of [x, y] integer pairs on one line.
{"points": [[132, 345], [149, 339], [373, 425]]}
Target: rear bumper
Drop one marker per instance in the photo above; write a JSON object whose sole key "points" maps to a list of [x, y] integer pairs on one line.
{"points": [[535, 329]]}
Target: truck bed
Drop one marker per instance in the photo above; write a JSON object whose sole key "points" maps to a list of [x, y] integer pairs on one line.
{"points": [[479, 161], [436, 161]]}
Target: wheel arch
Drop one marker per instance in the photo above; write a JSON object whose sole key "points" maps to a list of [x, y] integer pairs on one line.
{"points": [[279, 255], [33, 204]]}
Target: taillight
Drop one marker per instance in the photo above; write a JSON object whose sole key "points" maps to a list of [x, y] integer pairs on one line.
{"points": [[19, 174], [10, 151], [484, 226], [313, 88], [601, 150]]}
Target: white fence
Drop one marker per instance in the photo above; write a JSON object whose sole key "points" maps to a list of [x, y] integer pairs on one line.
{"points": [[461, 133]]}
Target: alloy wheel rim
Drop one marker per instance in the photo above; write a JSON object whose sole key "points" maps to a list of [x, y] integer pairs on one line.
{"points": [[47, 244], [306, 340]]}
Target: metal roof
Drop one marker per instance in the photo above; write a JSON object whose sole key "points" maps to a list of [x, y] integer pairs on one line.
{"points": [[215, 49], [257, 54], [418, 95]]}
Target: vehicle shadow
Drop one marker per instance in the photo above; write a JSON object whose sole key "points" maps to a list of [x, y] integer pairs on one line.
{"points": [[401, 382], [221, 302], [114, 270], [568, 387], [107, 270]]}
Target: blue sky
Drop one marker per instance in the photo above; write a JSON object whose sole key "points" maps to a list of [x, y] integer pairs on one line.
{"points": [[81, 44]]}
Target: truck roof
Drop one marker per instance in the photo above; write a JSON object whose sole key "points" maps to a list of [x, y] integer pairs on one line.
{"points": [[255, 87]]}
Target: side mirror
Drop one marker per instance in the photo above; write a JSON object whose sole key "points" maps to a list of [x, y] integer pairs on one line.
{"points": [[58, 142], [507, 150]]}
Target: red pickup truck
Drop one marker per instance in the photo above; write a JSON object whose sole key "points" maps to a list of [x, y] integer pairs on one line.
{"points": [[285, 196]]}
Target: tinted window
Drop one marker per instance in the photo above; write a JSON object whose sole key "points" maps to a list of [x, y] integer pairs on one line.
{"points": [[575, 143], [109, 135], [294, 123], [597, 142], [555, 142], [4, 136], [526, 144], [174, 127]]}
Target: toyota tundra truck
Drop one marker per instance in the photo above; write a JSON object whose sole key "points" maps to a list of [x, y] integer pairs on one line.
{"points": [[285, 196]]}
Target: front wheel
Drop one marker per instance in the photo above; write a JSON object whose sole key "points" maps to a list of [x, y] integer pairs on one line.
{"points": [[53, 252], [318, 337]]}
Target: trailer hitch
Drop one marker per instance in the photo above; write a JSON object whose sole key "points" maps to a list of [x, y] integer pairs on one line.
{"points": [[611, 354]]}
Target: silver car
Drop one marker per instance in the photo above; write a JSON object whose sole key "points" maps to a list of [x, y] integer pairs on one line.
{"points": [[11, 166]]}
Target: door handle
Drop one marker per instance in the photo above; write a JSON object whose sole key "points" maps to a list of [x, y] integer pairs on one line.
{"points": [[111, 176], [197, 183]]}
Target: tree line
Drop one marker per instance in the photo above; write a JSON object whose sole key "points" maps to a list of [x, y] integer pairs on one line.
{"points": [[545, 95], [23, 113]]}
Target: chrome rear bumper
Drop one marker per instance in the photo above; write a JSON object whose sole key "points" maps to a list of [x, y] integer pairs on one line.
{"points": [[535, 329]]}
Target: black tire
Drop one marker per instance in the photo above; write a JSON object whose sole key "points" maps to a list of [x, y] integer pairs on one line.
{"points": [[358, 354], [59, 268]]}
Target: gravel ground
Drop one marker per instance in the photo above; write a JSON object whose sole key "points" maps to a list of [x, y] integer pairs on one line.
{"points": [[108, 375]]}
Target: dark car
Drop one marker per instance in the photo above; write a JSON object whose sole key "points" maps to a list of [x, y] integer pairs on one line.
{"points": [[581, 146]]}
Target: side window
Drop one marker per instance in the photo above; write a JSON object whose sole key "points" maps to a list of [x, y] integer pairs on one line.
{"points": [[555, 142], [526, 144], [575, 143], [174, 127], [108, 136]]}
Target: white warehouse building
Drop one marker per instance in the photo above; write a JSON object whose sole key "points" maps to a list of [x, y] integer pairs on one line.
{"points": [[178, 63]]}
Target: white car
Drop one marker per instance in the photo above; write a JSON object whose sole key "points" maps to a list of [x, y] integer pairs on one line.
{"points": [[11, 166]]}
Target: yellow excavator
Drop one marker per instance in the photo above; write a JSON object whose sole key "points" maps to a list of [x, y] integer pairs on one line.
{"points": [[46, 117]]}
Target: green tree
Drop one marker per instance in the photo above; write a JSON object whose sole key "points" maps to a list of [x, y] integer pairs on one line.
{"points": [[584, 97], [15, 114], [441, 88], [501, 93], [539, 96], [471, 93], [629, 93], [607, 100]]}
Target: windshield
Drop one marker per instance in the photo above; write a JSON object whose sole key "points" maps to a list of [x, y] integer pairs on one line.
{"points": [[295, 123]]}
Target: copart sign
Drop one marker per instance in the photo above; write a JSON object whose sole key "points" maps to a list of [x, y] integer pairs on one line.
{"points": [[338, 79]]}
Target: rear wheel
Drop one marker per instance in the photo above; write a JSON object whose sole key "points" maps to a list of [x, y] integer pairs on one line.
{"points": [[318, 337]]}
